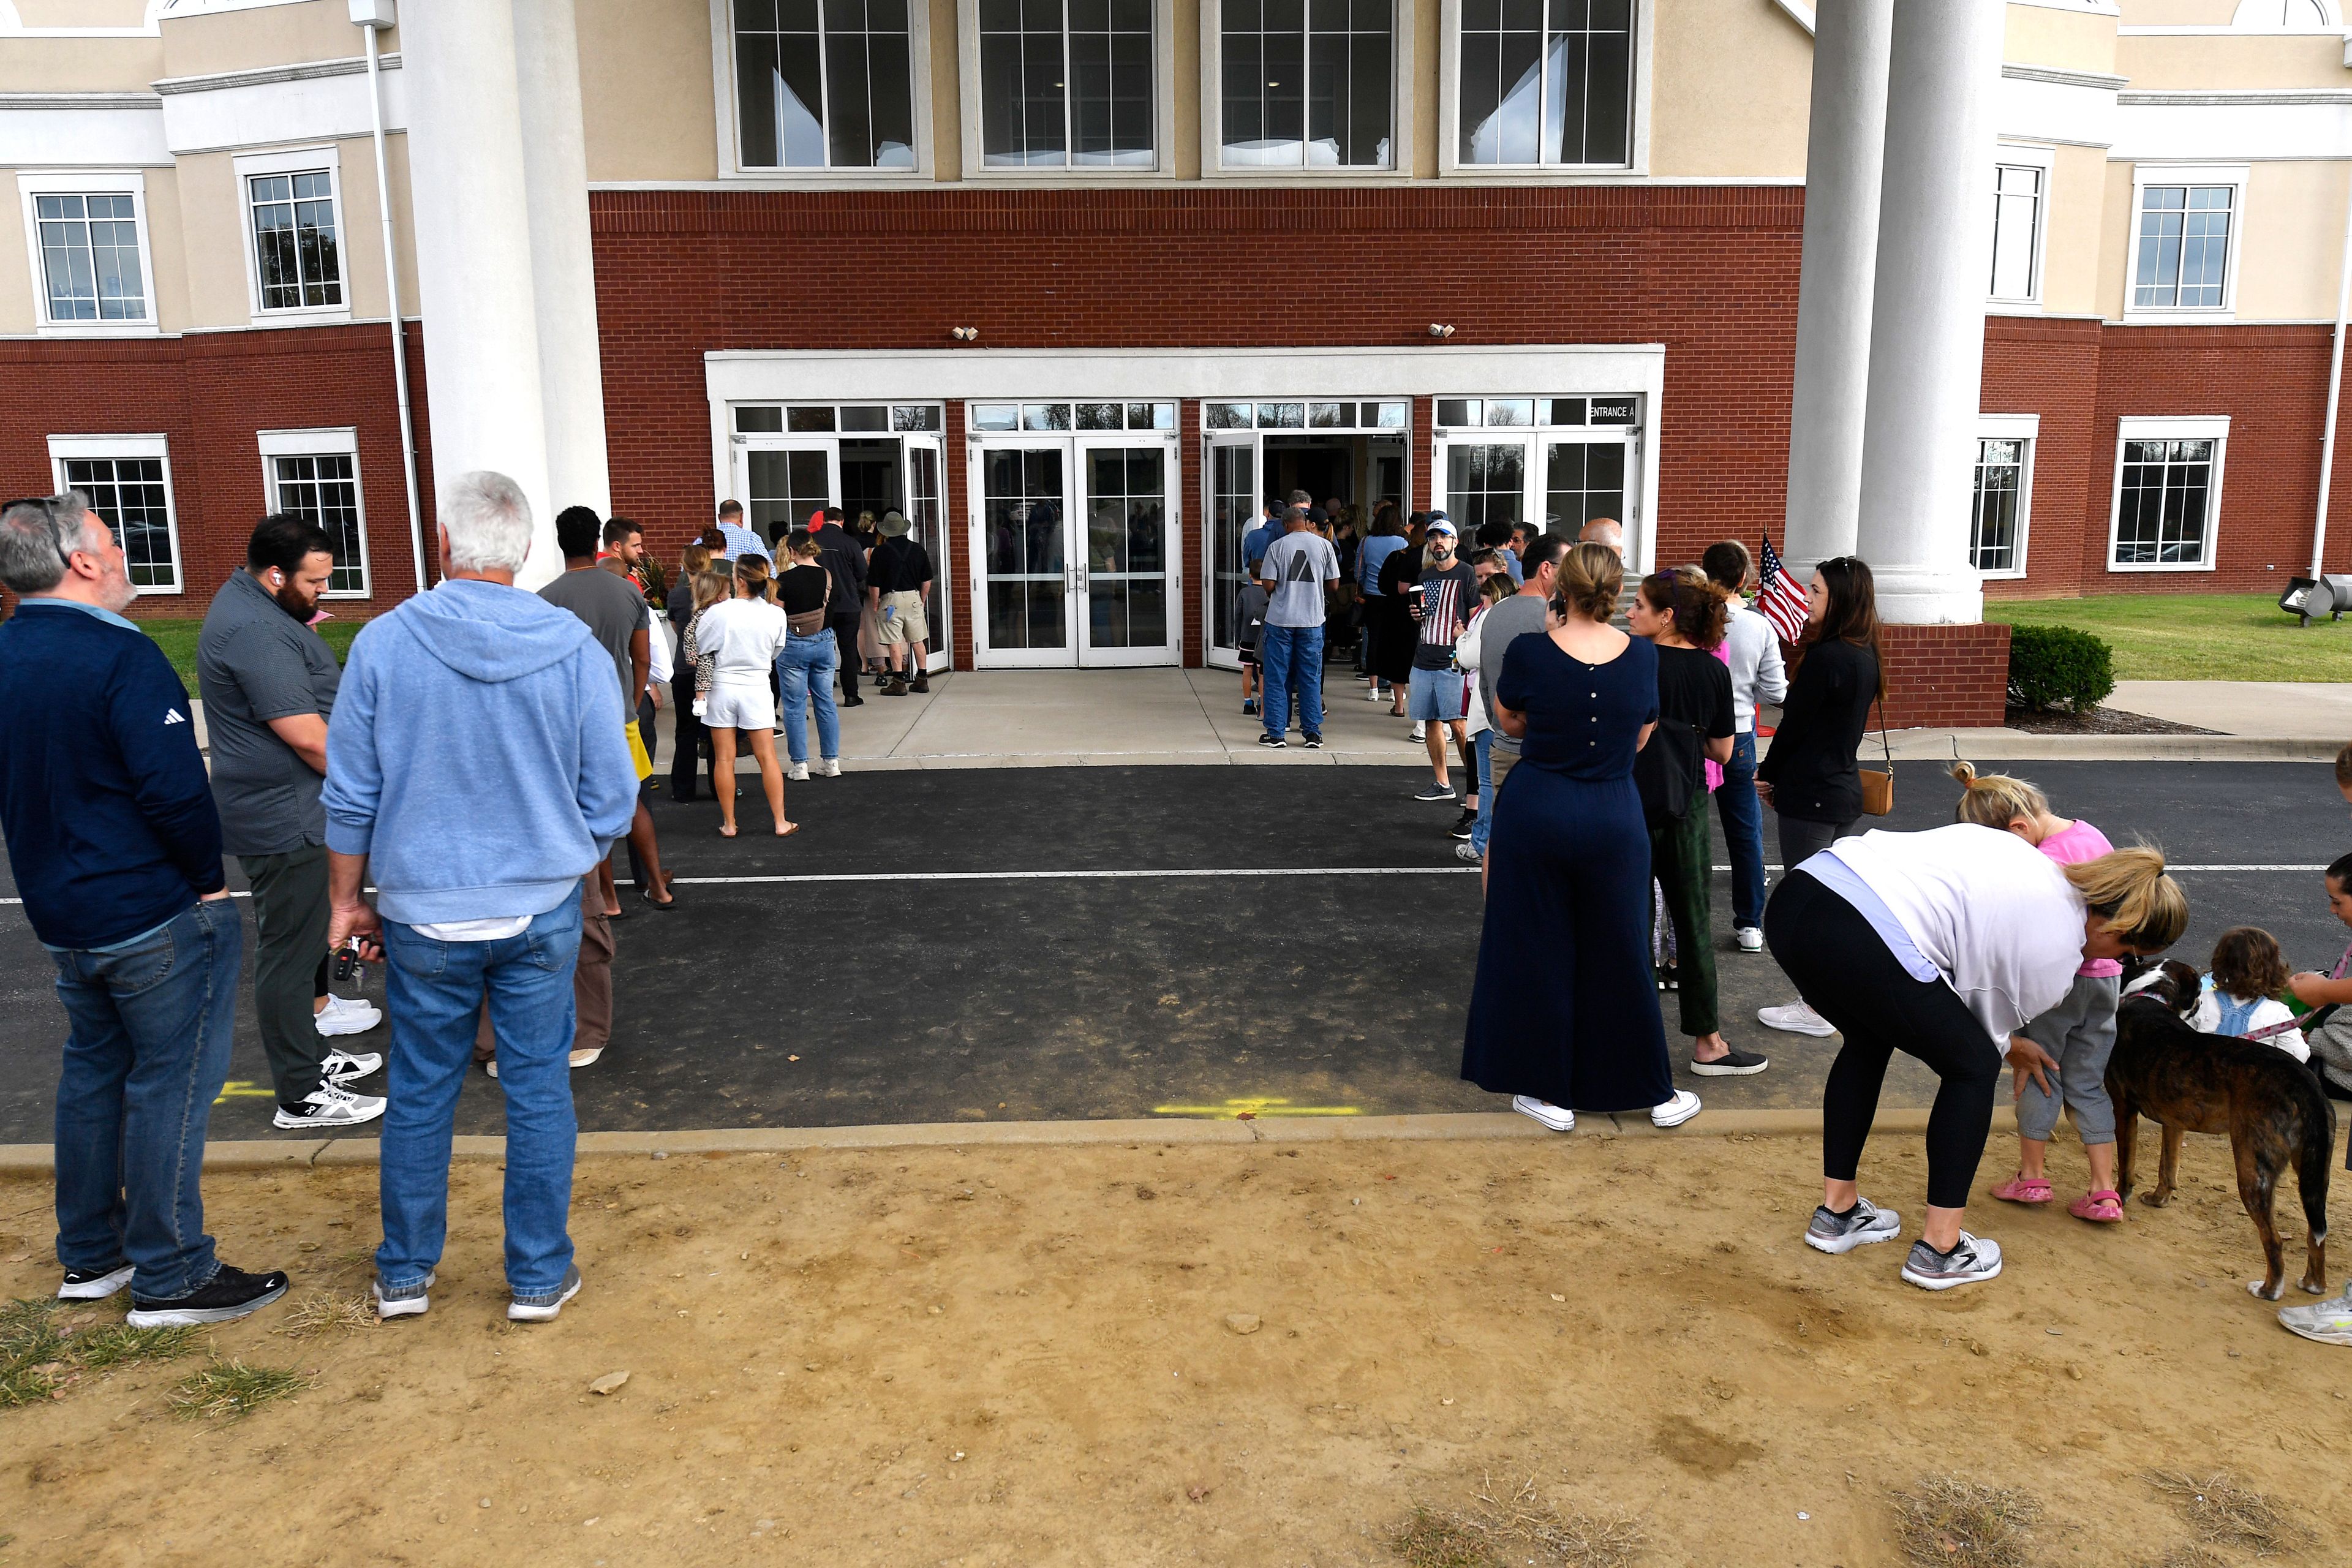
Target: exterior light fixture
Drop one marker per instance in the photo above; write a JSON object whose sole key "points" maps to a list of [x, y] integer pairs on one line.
{"points": [[1439, 329], [963, 334]]}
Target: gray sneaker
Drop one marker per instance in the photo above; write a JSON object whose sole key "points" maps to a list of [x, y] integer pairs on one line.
{"points": [[2329, 1322], [402, 1301], [1865, 1223], [541, 1307], [1972, 1259]]}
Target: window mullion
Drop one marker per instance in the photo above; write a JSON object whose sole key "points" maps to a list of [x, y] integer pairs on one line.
{"points": [[824, 85]]}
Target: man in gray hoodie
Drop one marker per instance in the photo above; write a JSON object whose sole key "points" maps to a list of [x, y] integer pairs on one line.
{"points": [[477, 766]]}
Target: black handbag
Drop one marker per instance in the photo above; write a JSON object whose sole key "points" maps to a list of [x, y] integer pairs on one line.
{"points": [[1670, 772]]}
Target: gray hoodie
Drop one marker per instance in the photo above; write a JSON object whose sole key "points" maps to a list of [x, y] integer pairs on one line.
{"points": [[477, 755]]}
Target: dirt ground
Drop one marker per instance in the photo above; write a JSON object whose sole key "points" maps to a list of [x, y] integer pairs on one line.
{"points": [[1036, 1355]]}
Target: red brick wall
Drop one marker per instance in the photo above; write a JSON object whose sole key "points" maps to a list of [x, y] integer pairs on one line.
{"points": [[1945, 675], [210, 392]]}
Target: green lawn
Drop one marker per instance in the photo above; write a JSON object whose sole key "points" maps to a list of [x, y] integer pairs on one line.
{"points": [[2195, 636], [177, 637]]}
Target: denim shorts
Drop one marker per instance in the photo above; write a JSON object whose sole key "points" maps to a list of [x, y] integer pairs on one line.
{"points": [[1435, 694]]}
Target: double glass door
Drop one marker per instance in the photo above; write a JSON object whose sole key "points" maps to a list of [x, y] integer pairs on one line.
{"points": [[783, 479], [1076, 551]]}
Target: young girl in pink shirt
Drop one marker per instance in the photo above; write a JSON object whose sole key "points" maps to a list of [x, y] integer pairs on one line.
{"points": [[2076, 1036]]}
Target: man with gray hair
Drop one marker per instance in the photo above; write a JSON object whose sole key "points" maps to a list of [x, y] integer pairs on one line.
{"points": [[117, 851], [477, 765]]}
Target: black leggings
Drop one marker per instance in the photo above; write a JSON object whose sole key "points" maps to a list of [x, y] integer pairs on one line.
{"points": [[1845, 971]]}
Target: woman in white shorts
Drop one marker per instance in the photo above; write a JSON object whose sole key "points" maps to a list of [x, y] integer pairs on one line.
{"points": [[742, 638]]}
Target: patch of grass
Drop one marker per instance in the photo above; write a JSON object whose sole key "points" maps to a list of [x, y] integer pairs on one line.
{"points": [[43, 1350], [176, 636], [230, 1390], [1503, 1531], [119, 1344], [2225, 1514], [2195, 636], [1954, 1524], [2187, 1557], [323, 1312]]}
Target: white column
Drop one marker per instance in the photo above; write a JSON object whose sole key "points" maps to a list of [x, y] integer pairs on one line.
{"points": [[1842, 151], [1926, 336], [505, 274]]}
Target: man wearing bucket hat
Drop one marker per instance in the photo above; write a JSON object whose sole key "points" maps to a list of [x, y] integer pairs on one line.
{"points": [[898, 584]]}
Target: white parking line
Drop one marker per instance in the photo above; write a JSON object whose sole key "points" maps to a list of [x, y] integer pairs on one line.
{"points": [[1137, 875]]}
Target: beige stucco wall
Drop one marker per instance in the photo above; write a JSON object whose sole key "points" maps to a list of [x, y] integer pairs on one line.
{"points": [[1184, 159], [2070, 250], [80, 65], [1731, 85], [15, 267], [1421, 99], [645, 89], [2063, 40], [207, 45], [167, 239], [2178, 13], [946, 117], [2233, 60], [82, 13], [2116, 242], [2293, 240]]}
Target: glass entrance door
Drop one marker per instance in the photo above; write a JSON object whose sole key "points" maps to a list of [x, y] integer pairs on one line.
{"points": [[1232, 512], [1123, 561], [1584, 478], [1024, 613], [781, 481], [926, 509]]}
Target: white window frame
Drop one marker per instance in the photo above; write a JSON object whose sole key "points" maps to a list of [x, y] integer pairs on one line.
{"points": [[731, 167], [2043, 159], [1163, 111], [88, 183], [62, 447], [339, 440], [2146, 175], [2025, 429], [312, 160], [2212, 428], [1401, 106], [1449, 111]]}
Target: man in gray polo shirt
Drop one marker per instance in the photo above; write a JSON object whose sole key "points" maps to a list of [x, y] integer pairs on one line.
{"points": [[1525, 612], [269, 684]]}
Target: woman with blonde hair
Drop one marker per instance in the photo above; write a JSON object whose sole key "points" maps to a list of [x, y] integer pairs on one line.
{"points": [[1563, 1014], [740, 637], [1946, 945]]}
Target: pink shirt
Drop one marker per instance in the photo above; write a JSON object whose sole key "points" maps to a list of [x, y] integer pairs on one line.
{"points": [[2079, 843]]}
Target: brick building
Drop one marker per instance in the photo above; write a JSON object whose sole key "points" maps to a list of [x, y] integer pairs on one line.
{"points": [[1079, 283]]}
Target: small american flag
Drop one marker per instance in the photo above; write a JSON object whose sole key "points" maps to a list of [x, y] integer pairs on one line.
{"points": [[1782, 602]]}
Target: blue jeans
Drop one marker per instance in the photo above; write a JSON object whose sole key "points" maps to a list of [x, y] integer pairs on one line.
{"points": [[147, 1042], [1479, 829], [1743, 830], [434, 993], [1292, 665], [805, 667]]}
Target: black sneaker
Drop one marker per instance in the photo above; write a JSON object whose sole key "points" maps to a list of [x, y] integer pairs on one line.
{"points": [[230, 1294], [93, 1284], [1266, 739], [1464, 823], [1314, 742]]}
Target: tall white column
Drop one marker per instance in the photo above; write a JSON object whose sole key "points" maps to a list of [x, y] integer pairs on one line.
{"points": [[1927, 333], [1843, 152], [505, 273]]}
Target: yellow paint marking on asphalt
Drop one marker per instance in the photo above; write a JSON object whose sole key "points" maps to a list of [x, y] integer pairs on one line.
{"points": [[243, 1089], [1252, 1109]]}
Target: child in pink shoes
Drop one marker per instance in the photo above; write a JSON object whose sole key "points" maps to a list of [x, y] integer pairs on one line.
{"points": [[2072, 1039]]}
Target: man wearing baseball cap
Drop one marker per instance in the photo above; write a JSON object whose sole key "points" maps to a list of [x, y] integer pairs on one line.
{"points": [[1442, 608]]}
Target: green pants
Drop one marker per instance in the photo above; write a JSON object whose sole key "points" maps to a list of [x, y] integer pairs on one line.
{"points": [[1678, 859], [290, 908]]}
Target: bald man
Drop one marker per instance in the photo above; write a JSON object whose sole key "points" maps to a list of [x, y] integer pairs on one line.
{"points": [[1603, 531]]}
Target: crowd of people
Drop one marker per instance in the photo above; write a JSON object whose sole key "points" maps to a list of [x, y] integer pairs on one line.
{"points": [[484, 749]]}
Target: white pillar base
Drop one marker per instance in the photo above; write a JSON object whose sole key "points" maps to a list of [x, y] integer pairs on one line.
{"points": [[1920, 595]]}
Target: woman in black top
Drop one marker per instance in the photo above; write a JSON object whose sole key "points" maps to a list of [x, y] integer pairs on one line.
{"points": [[1685, 615], [1399, 635], [1809, 777]]}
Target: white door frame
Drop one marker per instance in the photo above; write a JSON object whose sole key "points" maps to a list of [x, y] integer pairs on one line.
{"points": [[1213, 655], [1641, 546], [747, 445], [984, 656], [1075, 550], [940, 653]]}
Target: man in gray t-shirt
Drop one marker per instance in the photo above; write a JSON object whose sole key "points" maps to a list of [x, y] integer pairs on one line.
{"points": [[1297, 569], [269, 685], [1525, 614]]}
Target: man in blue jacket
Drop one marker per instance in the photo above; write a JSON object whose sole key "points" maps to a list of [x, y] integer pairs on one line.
{"points": [[117, 850], [477, 765]]}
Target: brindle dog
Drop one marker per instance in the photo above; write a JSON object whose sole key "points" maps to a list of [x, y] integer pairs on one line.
{"points": [[2268, 1104]]}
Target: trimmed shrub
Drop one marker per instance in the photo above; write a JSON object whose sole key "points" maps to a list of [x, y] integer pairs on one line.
{"points": [[2050, 666]]}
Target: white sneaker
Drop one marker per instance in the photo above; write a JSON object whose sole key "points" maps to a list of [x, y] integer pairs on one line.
{"points": [[1796, 1018], [408, 1301], [1750, 938], [586, 1058], [830, 768], [1558, 1118], [1376, 695], [800, 773], [2328, 1322], [1675, 1111], [327, 1105], [346, 1016], [1972, 1259], [1420, 730], [342, 1066], [1468, 855]]}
